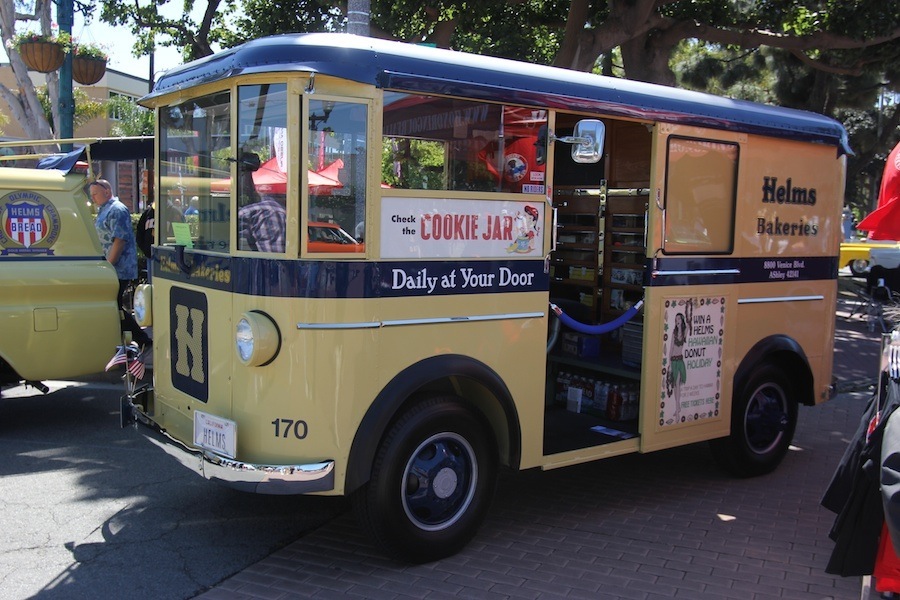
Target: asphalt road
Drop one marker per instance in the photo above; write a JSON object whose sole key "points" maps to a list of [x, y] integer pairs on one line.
{"points": [[89, 510]]}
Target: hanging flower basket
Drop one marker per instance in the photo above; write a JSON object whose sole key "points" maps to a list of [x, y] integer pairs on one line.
{"points": [[41, 52], [43, 57], [88, 63], [88, 71]]}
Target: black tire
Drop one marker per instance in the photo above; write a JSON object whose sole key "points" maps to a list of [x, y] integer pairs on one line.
{"points": [[763, 421], [432, 481], [858, 267]]}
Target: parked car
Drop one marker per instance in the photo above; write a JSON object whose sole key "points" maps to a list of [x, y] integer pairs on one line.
{"points": [[885, 256], [58, 312], [329, 237], [857, 255], [59, 317]]}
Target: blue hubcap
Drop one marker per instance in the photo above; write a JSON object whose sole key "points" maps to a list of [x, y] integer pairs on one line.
{"points": [[766, 418], [439, 481]]}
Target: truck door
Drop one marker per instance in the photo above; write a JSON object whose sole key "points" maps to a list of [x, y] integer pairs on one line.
{"points": [[690, 297]]}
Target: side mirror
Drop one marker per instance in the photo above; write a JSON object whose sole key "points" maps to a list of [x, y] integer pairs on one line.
{"points": [[588, 141]]}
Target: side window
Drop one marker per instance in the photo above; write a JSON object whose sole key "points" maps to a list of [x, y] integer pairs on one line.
{"points": [[192, 206], [434, 143], [336, 176], [701, 191], [262, 169]]}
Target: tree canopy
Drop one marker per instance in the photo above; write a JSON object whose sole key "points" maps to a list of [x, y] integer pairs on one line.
{"points": [[191, 25]]}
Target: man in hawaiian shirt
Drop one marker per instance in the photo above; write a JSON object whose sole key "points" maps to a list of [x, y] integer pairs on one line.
{"points": [[113, 225]]}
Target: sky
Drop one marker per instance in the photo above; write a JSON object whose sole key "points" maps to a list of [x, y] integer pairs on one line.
{"points": [[118, 42]]}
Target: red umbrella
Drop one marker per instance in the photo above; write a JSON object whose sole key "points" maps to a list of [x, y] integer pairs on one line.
{"points": [[883, 223]]}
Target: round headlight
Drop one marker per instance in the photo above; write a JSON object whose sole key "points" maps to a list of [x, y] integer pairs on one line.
{"points": [[257, 339], [142, 302]]}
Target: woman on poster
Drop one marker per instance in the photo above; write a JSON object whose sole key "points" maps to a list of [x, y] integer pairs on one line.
{"points": [[676, 376]]}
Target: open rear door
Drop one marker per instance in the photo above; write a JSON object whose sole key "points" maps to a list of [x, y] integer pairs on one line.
{"points": [[689, 311]]}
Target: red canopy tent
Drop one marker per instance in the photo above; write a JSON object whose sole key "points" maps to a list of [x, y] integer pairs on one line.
{"points": [[883, 223], [328, 178], [269, 179]]}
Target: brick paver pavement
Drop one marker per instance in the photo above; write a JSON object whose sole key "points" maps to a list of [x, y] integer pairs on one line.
{"points": [[665, 525]]}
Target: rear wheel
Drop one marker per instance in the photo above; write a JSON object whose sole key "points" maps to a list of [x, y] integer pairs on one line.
{"points": [[763, 420], [432, 481]]}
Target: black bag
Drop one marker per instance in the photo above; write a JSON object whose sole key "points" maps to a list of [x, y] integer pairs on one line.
{"points": [[145, 228]]}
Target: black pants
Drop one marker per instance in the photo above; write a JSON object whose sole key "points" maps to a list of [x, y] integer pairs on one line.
{"points": [[128, 323], [891, 278]]}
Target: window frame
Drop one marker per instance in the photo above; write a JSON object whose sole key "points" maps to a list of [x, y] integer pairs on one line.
{"points": [[163, 213], [237, 175], [671, 248], [366, 189]]}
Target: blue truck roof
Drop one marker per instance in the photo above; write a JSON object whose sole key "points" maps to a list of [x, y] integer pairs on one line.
{"points": [[422, 69]]}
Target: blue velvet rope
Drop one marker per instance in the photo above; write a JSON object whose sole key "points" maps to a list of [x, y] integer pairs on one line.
{"points": [[602, 327]]}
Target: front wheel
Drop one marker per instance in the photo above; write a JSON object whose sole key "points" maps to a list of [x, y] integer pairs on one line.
{"points": [[763, 420], [432, 481], [858, 267]]}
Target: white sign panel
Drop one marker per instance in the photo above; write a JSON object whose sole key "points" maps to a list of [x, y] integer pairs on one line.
{"points": [[691, 360], [443, 228]]}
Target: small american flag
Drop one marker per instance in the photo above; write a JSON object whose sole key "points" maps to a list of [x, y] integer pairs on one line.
{"points": [[119, 358], [136, 367], [130, 356]]}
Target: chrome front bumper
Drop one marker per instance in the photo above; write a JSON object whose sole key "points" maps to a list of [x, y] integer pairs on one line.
{"points": [[261, 479]]}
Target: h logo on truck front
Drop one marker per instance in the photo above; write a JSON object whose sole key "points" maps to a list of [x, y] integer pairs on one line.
{"points": [[189, 342]]}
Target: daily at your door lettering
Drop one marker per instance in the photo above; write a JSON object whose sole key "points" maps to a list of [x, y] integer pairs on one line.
{"points": [[468, 278]]}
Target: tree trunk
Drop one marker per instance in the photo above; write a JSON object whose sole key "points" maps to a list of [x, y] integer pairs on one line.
{"points": [[571, 46], [647, 59], [631, 25], [824, 93], [23, 103]]}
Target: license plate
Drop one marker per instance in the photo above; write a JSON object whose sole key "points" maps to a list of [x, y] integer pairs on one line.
{"points": [[215, 433]]}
